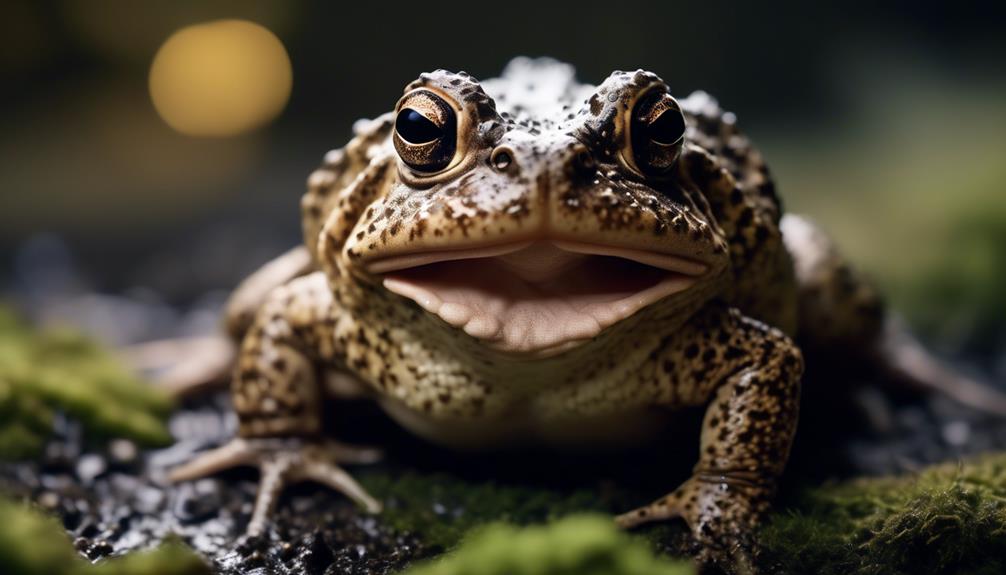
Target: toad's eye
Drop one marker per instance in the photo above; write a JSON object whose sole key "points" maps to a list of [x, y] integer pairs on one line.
{"points": [[414, 128], [657, 131], [425, 132]]}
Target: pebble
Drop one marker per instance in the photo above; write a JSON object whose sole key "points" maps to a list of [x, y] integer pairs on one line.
{"points": [[956, 433], [90, 466], [123, 451]]}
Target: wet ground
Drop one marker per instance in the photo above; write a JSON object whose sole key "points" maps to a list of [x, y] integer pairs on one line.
{"points": [[116, 500]]}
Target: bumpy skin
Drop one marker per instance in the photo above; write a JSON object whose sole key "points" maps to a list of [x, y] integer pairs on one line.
{"points": [[724, 343]]}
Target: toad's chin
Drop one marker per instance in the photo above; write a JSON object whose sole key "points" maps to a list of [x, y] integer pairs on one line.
{"points": [[538, 298]]}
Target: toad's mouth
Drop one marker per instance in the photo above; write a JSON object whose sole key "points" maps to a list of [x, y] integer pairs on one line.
{"points": [[537, 298]]}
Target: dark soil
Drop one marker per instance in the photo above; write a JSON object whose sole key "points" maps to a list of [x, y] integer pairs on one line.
{"points": [[116, 500]]}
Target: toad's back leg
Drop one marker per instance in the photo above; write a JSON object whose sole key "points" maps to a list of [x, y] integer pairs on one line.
{"points": [[839, 311]]}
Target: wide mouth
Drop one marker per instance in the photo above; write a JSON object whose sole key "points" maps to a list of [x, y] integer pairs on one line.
{"points": [[537, 297]]}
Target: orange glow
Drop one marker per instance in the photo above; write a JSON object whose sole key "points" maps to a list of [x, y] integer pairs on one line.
{"points": [[220, 78]]}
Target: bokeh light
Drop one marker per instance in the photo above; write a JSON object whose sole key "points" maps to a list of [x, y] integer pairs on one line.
{"points": [[220, 78]]}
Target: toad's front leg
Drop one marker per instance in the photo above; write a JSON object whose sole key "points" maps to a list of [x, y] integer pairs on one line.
{"points": [[278, 401], [749, 374]]}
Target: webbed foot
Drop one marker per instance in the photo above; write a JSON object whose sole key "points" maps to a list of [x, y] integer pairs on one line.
{"points": [[722, 511], [281, 462]]}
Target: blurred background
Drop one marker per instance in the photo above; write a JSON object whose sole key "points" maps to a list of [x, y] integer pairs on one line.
{"points": [[152, 153]]}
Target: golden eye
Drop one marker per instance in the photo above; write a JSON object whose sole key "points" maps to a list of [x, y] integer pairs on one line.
{"points": [[657, 132], [426, 132]]}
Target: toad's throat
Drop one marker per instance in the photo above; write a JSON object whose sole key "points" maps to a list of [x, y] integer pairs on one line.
{"points": [[537, 298]]}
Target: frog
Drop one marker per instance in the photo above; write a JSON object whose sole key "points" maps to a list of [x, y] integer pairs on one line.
{"points": [[534, 260]]}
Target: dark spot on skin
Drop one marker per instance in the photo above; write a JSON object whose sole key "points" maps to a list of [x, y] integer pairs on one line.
{"points": [[768, 346], [747, 215], [733, 352], [692, 351]]}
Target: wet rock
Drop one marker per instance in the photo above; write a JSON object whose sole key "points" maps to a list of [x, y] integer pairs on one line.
{"points": [[123, 453], [197, 502], [89, 467]]}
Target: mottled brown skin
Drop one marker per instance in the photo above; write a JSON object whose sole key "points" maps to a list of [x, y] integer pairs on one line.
{"points": [[724, 343]]}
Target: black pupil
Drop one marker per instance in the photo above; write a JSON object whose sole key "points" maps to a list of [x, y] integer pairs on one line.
{"points": [[668, 128], [415, 128]]}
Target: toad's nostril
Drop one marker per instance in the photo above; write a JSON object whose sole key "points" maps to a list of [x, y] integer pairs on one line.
{"points": [[501, 158]]}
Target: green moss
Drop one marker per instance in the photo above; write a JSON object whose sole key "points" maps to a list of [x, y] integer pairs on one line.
{"points": [[34, 544], [963, 294], [947, 519], [171, 558], [443, 508], [42, 372], [576, 545]]}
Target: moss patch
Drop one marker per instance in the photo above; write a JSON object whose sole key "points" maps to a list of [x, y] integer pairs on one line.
{"points": [[34, 544], [576, 545], [443, 508], [947, 519], [41, 373]]}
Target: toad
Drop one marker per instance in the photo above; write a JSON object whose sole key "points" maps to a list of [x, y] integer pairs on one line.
{"points": [[533, 259]]}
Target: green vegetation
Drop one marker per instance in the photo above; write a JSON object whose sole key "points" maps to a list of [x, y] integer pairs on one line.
{"points": [[924, 218], [575, 545], [34, 544], [443, 508], [41, 373], [964, 294], [947, 519]]}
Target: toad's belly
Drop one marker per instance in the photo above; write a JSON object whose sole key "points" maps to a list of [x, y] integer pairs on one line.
{"points": [[521, 426]]}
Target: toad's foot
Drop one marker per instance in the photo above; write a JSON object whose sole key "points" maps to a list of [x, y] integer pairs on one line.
{"points": [[284, 461], [722, 511]]}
